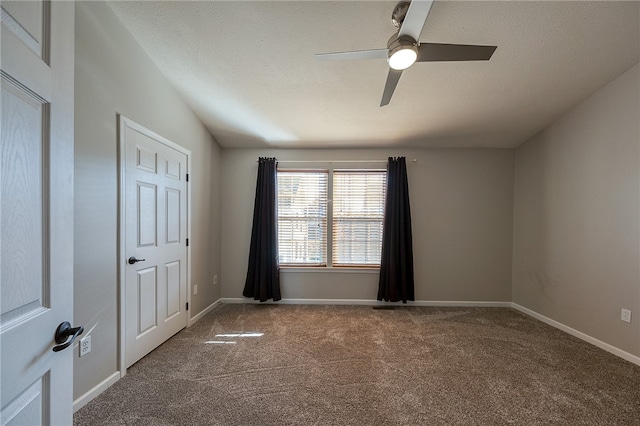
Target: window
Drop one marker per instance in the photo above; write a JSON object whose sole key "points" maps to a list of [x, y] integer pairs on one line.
{"points": [[302, 217], [358, 211], [352, 229]]}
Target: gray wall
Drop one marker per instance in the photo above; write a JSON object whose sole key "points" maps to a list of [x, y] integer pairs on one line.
{"points": [[576, 226], [114, 75], [462, 210]]}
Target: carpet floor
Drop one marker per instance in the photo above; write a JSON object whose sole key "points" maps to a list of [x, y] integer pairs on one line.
{"points": [[355, 365]]}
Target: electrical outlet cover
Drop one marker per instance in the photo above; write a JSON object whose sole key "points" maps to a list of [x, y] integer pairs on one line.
{"points": [[85, 345], [625, 315]]}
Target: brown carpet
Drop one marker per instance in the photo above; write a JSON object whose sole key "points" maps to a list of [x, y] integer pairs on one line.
{"points": [[355, 365]]}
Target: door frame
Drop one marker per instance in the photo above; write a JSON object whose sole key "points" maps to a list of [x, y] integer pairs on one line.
{"points": [[123, 123]]}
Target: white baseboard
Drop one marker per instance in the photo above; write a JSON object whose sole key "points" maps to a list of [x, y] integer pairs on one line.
{"points": [[368, 302], [95, 391], [580, 335], [199, 315]]}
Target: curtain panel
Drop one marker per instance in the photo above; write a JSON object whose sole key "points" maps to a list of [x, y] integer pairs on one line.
{"points": [[396, 263], [263, 272]]}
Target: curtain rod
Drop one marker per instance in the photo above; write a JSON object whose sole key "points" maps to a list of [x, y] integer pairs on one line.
{"points": [[338, 161]]}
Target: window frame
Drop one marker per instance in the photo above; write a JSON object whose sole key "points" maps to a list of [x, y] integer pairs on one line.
{"points": [[329, 266]]}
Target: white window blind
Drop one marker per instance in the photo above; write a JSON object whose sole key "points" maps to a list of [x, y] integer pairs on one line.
{"points": [[358, 212], [302, 217]]}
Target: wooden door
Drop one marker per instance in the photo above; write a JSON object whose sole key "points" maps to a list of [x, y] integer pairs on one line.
{"points": [[155, 234], [36, 210]]}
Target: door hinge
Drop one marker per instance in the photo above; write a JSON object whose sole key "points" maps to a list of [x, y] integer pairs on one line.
{"points": [[187, 242], [187, 177], [187, 306]]}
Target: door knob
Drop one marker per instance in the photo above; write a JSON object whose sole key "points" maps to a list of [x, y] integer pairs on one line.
{"points": [[63, 332], [133, 260]]}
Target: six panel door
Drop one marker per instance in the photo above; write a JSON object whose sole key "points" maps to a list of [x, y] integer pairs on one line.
{"points": [[155, 240]]}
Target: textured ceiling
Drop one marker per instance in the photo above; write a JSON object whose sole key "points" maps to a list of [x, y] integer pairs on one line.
{"points": [[247, 68]]}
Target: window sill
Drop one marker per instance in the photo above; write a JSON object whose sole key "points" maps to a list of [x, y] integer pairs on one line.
{"points": [[324, 269]]}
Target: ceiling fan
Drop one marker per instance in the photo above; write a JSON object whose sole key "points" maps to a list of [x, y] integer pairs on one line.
{"points": [[403, 48]]}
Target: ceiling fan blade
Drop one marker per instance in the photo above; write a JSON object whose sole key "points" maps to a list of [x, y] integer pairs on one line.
{"points": [[415, 19], [434, 52], [356, 54], [390, 86]]}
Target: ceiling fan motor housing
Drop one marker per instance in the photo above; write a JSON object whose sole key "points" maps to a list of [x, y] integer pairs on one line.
{"points": [[405, 42]]}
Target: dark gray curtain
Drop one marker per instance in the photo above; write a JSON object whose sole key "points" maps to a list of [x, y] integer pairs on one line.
{"points": [[396, 264], [263, 273]]}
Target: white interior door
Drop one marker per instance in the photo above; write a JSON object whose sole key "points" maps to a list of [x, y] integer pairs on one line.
{"points": [[36, 210], [155, 234]]}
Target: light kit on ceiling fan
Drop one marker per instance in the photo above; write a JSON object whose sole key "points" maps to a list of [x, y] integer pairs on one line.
{"points": [[404, 49], [403, 52]]}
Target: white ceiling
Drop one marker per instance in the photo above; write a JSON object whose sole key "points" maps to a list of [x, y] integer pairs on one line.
{"points": [[247, 68]]}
